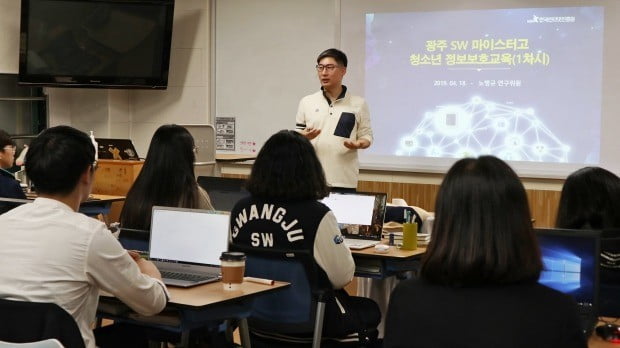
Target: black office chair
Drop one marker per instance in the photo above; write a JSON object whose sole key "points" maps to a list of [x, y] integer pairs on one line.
{"points": [[22, 322], [609, 287], [293, 316], [132, 239]]}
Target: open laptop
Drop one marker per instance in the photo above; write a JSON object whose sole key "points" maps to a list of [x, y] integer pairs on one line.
{"points": [[223, 192], [360, 216], [609, 288], [571, 265], [186, 244], [118, 149]]}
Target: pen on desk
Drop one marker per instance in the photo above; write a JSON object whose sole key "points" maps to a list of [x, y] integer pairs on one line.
{"points": [[259, 280]]}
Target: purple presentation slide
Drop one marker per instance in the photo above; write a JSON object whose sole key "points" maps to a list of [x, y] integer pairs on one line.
{"points": [[521, 84]]}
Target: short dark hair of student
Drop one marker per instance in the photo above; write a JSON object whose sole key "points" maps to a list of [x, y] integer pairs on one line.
{"points": [[335, 53], [57, 158], [482, 233], [5, 140], [590, 199], [167, 177], [287, 169]]}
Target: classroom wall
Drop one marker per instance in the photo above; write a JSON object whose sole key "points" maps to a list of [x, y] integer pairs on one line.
{"points": [[137, 113], [131, 114]]}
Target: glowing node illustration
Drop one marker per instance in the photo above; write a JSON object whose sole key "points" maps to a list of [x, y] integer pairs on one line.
{"points": [[514, 141], [409, 143], [434, 151], [483, 127], [500, 124]]}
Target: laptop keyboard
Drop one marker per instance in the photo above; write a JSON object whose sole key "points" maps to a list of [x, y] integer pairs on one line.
{"points": [[186, 276]]}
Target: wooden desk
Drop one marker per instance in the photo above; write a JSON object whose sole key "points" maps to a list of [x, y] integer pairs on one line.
{"points": [[233, 157], [229, 158], [370, 264], [198, 306], [381, 272], [97, 204], [597, 342], [213, 293]]}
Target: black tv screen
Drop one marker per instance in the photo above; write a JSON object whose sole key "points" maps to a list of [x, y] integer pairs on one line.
{"points": [[95, 43]]}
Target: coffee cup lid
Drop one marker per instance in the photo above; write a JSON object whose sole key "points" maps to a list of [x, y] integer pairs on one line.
{"points": [[232, 256]]}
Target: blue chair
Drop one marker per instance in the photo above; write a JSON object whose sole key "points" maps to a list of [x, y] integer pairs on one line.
{"points": [[293, 316]]}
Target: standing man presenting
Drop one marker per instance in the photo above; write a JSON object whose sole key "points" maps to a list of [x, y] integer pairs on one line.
{"points": [[336, 122]]}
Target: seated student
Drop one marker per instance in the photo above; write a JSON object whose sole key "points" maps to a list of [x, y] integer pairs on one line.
{"points": [[478, 284], [52, 253], [591, 200], [9, 187], [288, 175], [166, 179]]}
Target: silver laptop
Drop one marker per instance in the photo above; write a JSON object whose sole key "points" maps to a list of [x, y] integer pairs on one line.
{"points": [[360, 217], [186, 244]]}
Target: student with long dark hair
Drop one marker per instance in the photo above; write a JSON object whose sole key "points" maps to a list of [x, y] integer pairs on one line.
{"points": [[287, 179], [478, 285], [590, 199], [166, 179]]}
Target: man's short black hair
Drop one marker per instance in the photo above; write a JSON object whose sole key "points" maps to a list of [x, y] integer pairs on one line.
{"points": [[335, 53], [57, 157]]}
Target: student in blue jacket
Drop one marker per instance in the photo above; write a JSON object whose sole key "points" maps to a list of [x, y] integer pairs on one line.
{"points": [[9, 187]]}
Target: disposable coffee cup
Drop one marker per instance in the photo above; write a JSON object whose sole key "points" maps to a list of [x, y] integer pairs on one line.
{"points": [[410, 236], [233, 269]]}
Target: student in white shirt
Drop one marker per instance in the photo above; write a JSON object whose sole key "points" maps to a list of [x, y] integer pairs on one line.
{"points": [[52, 253]]}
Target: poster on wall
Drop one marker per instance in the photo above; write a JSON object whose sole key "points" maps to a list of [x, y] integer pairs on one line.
{"points": [[225, 133]]}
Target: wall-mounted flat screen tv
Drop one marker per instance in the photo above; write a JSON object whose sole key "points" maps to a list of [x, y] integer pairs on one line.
{"points": [[95, 43]]}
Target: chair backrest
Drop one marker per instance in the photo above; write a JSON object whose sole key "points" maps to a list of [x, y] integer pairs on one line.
{"points": [[22, 322], [132, 239], [293, 310], [49, 343]]}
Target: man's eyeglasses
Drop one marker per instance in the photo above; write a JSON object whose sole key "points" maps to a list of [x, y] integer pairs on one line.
{"points": [[9, 148], [328, 67]]}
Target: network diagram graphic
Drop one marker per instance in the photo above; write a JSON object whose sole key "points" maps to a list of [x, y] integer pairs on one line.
{"points": [[481, 127]]}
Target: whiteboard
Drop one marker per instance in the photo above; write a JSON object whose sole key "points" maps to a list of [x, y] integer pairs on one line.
{"points": [[265, 52]]}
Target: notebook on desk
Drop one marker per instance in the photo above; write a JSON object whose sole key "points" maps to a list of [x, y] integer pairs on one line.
{"points": [[360, 217], [571, 265], [186, 244]]}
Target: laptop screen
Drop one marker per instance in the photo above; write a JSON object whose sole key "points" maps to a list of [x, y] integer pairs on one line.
{"points": [[223, 192], [570, 262], [117, 149], [188, 235], [359, 214]]}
